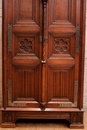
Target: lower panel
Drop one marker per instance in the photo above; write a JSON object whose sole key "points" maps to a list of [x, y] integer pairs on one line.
{"points": [[75, 118]]}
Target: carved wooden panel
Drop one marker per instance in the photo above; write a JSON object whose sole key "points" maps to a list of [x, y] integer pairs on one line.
{"points": [[24, 86], [62, 57], [64, 12], [77, 118], [61, 86], [25, 55], [26, 11], [29, 87], [61, 46], [61, 80], [25, 8], [26, 44], [8, 117]]}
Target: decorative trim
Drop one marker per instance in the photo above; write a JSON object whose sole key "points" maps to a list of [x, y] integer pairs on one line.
{"points": [[77, 38], [75, 92], [26, 45], [66, 105], [43, 105], [61, 45], [8, 117], [44, 38], [44, 26], [9, 37], [77, 118], [40, 38]]}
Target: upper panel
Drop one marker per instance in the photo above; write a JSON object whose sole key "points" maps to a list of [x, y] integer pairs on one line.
{"points": [[62, 12], [65, 8], [26, 12]]}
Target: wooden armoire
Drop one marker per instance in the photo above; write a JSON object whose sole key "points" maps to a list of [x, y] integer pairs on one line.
{"points": [[43, 60]]}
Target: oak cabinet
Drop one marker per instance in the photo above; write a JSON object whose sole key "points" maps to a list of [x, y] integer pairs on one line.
{"points": [[43, 60]]}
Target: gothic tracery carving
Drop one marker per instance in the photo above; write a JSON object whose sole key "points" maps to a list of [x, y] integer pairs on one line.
{"points": [[61, 45], [76, 118], [26, 45], [8, 117]]}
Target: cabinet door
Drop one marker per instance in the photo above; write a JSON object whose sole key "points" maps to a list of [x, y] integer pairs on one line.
{"points": [[23, 64], [63, 53]]}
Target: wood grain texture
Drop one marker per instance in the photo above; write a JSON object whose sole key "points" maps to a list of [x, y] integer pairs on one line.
{"points": [[46, 79]]}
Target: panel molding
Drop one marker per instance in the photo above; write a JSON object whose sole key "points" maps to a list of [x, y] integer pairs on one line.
{"points": [[62, 89], [24, 94], [32, 15], [26, 44], [61, 46], [68, 16]]}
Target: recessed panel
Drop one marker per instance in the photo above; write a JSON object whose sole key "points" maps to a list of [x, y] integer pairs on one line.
{"points": [[62, 12], [61, 9], [26, 44], [60, 83], [26, 11], [26, 84], [61, 46]]}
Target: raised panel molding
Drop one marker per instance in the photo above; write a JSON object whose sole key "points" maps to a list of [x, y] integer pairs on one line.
{"points": [[61, 46], [68, 16], [61, 79], [23, 86], [26, 87], [61, 7], [25, 8], [62, 87], [26, 45], [26, 12]]}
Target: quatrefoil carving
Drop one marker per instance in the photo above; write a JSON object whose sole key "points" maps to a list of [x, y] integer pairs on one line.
{"points": [[61, 45], [26, 45]]}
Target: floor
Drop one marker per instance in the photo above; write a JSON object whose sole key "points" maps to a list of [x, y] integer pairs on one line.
{"points": [[45, 125]]}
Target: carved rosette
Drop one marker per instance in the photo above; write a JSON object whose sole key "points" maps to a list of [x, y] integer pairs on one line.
{"points": [[26, 45], [61, 45]]}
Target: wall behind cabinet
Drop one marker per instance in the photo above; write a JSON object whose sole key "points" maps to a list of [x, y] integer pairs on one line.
{"points": [[85, 74]]}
